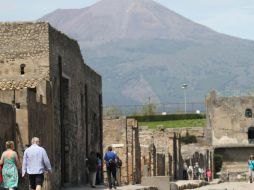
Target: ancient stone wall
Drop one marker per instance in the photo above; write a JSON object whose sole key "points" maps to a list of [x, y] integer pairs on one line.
{"points": [[226, 119], [230, 131], [122, 135], [162, 139], [23, 43], [58, 97], [78, 113], [158, 155]]}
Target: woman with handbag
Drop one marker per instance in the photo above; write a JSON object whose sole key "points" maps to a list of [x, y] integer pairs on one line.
{"points": [[10, 162]]}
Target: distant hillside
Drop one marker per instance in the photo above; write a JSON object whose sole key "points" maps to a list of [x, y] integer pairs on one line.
{"points": [[143, 49]]}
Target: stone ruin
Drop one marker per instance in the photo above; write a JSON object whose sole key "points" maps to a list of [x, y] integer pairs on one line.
{"points": [[230, 131], [161, 151]]}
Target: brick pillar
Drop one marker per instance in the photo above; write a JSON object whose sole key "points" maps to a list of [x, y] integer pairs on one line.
{"points": [[170, 160]]}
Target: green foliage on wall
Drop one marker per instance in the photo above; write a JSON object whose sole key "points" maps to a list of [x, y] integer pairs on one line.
{"points": [[112, 112], [188, 139], [147, 118]]}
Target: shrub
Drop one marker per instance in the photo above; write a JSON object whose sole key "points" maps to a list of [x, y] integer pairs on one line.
{"points": [[148, 118], [188, 139]]}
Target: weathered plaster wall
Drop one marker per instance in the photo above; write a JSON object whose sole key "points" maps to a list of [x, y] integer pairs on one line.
{"points": [[226, 119], [81, 100]]}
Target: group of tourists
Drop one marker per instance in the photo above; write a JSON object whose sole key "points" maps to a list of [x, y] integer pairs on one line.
{"points": [[196, 173], [113, 165], [35, 163]]}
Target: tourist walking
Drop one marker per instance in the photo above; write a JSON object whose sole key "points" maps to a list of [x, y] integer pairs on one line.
{"points": [[110, 159], [185, 168], [35, 163], [196, 171], [251, 168], [99, 166], [92, 168], [10, 162], [209, 175], [190, 173]]}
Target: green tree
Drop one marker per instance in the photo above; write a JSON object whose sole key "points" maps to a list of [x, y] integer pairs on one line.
{"points": [[112, 112], [148, 109]]}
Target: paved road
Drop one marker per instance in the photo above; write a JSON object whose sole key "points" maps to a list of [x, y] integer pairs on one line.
{"points": [[128, 187], [229, 186], [221, 186]]}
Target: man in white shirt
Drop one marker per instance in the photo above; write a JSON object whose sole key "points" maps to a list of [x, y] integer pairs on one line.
{"points": [[35, 163]]}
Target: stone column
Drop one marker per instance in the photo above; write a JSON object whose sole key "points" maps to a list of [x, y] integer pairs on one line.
{"points": [[160, 164], [180, 159], [170, 160], [174, 157], [137, 157]]}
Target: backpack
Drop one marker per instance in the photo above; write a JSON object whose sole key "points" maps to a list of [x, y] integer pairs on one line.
{"points": [[119, 163], [112, 164]]}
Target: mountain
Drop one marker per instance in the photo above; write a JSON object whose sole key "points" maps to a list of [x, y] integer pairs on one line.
{"points": [[146, 51]]}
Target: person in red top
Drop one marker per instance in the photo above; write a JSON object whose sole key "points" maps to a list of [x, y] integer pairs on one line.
{"points": [[209, 175]]}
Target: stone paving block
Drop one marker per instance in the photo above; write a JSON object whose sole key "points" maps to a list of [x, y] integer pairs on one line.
{"points": [[128, 187]]}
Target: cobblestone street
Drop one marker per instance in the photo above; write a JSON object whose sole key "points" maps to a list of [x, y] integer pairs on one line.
{"points": [[228, 186], [221, 186], [102, 187]]}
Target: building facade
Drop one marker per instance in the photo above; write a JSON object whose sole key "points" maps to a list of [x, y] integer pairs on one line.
{"points": [[56, 97], [230, 131]]}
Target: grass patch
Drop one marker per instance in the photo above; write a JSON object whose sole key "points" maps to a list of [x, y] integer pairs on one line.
{"points": [[175, 123]]}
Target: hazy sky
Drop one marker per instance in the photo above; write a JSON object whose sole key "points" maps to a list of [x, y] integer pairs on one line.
{"points": [[234, 17]]}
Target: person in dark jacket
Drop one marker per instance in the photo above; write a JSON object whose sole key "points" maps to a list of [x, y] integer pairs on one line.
{"points": [[92, 168]]}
